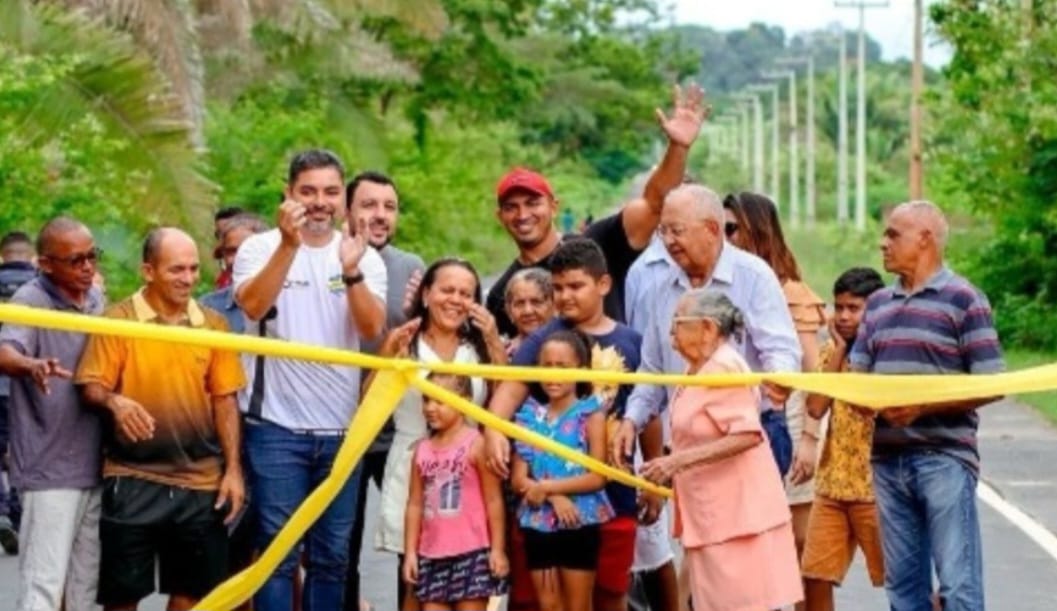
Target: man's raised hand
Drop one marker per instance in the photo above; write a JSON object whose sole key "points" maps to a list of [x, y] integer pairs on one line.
{"points": [[689, 112], [291, 219]]}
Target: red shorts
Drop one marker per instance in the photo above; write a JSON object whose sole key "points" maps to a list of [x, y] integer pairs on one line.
{"points": [[522, 595], [616, 555]]}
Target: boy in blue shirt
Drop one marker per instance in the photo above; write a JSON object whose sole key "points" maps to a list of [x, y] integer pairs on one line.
{"points": [[581, 282]]}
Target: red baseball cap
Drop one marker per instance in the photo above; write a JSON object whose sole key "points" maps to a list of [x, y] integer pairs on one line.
{"points": [[521, 178]]}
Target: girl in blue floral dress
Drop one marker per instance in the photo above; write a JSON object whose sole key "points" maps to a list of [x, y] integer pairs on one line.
{"points": [[562, 504]]}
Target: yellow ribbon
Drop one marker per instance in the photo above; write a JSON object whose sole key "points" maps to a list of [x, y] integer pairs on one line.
{"points": [[534, 439], [380, 401], [874, 391], [394, 376]]}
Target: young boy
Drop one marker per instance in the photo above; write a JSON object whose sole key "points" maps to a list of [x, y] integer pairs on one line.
{"points": [[844, 513], [581, 282]]}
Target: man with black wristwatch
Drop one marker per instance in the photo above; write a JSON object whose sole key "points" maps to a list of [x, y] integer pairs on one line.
{"points": [[306, 282]]}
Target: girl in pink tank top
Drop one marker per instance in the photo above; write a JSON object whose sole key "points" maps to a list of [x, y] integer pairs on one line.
{"points": [[453, 527]]}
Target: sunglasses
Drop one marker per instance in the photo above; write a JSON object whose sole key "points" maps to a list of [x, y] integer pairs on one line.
{"points": [[78, 260], [730, 229]]}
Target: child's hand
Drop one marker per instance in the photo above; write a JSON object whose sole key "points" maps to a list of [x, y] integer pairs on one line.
{"points": [[840, 345], [568, 515], [536, 494], [411, 568], [497, 562]]}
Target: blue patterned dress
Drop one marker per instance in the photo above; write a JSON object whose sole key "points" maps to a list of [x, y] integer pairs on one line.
{"points": [[568, 429]]}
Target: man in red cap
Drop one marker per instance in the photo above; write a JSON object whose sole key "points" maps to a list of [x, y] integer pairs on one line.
{"points": [[527, 209]]}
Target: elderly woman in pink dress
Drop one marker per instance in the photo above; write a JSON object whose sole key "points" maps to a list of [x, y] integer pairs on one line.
{"points": [[731, 513]]}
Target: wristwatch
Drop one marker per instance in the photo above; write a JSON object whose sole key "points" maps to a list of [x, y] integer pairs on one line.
{"points": [[353, 279]]}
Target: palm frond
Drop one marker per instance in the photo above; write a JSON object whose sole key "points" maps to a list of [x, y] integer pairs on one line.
{"points": [[224, 26], [329, 43], [167, 29], [427, 17], [120, 86]]}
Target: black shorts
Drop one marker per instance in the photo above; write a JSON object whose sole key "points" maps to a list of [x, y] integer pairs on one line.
{"points": [[576, 548], [143, 520]]}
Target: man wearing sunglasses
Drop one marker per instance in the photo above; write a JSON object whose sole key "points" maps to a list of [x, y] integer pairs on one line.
{"points": [[55, 441]]}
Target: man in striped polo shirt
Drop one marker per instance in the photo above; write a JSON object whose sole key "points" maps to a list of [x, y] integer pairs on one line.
{"points": [[925, 459]]}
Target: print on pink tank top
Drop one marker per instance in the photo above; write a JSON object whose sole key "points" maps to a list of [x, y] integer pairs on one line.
{"points": [[454, 520]]}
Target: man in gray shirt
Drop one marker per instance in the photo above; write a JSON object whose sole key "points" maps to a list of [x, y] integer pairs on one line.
{"points": [[16, 269], [372, 199], [55, 441]]}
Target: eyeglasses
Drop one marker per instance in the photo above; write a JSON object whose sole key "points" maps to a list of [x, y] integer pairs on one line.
{"points": [[675, 231], [78, 260], [730, 229]]}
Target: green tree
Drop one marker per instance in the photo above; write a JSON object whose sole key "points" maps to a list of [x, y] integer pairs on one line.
{"points": [[996, 147]]}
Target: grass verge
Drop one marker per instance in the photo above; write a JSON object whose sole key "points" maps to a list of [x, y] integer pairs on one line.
{"points": [[1044, 402]]}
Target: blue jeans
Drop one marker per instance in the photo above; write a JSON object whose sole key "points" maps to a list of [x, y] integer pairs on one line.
{"points": [[284, 467], [777, 429], [927, 502]]}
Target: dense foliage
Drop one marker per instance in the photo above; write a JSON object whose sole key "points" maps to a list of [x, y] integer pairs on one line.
{"points": [[995, 148], [132, 114]]}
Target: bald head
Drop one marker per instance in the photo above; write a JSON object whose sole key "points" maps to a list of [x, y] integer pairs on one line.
{"points": [[164, 238], [56, 230], [698, 201], [925, 217], [691, 228]]}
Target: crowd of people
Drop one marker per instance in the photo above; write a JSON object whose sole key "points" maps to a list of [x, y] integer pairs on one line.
{"points": [[139, 466]]}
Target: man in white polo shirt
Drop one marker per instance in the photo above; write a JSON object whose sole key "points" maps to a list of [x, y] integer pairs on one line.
{"points": [[305, 282]]}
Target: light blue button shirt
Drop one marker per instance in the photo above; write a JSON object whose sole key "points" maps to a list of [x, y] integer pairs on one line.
{"points": [[653, 262], [770, 342]]}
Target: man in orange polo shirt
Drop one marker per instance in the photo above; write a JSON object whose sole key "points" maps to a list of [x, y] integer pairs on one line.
{"points": [[172, 476]]}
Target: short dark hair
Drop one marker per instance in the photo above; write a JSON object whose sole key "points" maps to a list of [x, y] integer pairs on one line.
{"points": [[13, 238], [581, 343], [376, 177], [227, 212], [579, 253], [313, 159], [859, 281]]}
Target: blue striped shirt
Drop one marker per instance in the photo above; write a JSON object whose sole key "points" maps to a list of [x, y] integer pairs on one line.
{"points": [[944, 328]]}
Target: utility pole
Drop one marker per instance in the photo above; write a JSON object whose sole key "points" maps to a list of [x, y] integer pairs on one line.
{"points": [[917, 84], [774, 90], [744, 140], [842, 133], [794, 161], [757, 142], [810, 135], [860, 115], [733, 123]]}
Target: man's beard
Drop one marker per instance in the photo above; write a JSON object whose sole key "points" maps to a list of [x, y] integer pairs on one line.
{"points": [[318, 227]]}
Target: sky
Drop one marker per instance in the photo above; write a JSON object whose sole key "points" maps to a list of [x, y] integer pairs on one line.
{"points": [[891, 26]]}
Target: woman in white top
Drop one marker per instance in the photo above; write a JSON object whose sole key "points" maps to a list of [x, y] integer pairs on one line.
{"points": [[447, 324]]}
